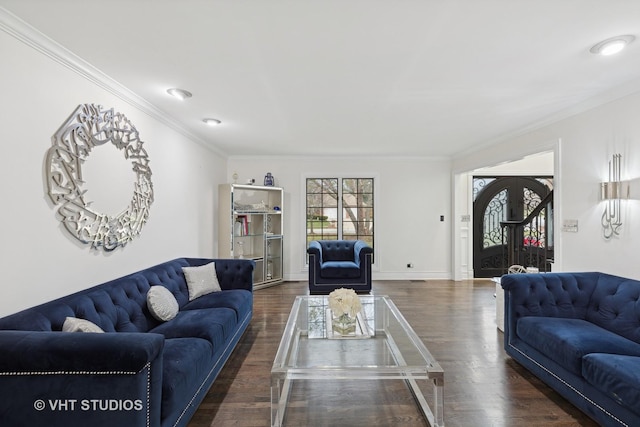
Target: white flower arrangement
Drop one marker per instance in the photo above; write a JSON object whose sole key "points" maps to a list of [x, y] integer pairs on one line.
{"points": [[344, 301]]}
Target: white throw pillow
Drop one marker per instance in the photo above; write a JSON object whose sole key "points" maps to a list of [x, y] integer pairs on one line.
{"points": [[73, 324], [201, 280], [161, 303]]}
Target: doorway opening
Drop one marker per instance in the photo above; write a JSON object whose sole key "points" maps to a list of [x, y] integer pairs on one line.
{"points": [[513, 224]]}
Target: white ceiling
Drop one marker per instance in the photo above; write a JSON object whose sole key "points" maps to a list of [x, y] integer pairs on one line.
{"points": [[381, 77]]}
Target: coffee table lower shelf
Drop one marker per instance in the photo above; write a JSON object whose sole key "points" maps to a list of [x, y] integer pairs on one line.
{"points": [[281, 387], [393, 352]]}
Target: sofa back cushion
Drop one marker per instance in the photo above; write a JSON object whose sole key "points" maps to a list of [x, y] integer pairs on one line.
{"points": [[615, 306], [550, 294], [119, 305], [337, 250]]}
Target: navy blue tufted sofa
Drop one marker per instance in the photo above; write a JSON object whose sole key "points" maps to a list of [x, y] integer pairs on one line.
{"points": [[580, 334], [337, 264], [141, 372]]}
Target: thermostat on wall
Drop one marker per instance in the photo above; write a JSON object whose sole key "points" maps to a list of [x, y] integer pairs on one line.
{"points": [[570, 225]]}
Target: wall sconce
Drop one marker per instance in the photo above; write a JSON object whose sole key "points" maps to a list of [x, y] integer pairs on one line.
{"points": [[612, 192]]}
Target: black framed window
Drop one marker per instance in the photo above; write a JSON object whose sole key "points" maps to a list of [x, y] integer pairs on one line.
{"points": [[340, 209]]}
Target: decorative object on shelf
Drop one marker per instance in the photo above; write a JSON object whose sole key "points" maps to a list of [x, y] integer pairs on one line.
{"points": [[345, 306], [237, 228], [612, 192], [251, 181], [240, 251], [252, 207], [235, 177], [269, 270], [88, 127], [268, 180]]}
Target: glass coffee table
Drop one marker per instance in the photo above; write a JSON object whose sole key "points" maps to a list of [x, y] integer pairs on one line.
{"points": [[385, 347]]}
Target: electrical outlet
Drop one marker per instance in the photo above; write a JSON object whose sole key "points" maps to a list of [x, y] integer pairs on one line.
{"points": [[410, 265]]}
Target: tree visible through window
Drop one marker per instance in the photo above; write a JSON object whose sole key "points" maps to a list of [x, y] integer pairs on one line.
{"points": [[340, 208]]}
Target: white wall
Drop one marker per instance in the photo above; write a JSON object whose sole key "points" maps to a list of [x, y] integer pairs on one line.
{"points": [[410, 196], [536, 164], [587, 142], [40, 260]]}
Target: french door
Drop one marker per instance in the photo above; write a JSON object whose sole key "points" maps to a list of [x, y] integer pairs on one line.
{"points": [[505, 198]]}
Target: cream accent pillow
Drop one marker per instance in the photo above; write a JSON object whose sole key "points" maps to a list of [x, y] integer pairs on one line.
{"points": [[161, 303], [73, 324], [201, 280]]}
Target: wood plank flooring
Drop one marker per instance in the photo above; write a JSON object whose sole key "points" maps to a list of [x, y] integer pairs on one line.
{"points": [[455, 320]]}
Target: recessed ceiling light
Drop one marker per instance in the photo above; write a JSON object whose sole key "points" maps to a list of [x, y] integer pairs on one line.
{"points": [[212, 122], [612, 45], [181, 94]]}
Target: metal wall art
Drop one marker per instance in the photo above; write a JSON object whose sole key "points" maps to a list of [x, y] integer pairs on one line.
{"points": [[90, 126], [613, 191]]}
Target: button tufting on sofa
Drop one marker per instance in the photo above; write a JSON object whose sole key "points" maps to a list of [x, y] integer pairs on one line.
{"points": [[581, 341], [167, 367]]}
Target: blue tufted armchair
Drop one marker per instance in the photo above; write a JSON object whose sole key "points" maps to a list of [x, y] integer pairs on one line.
{"points": [[337, 264]]}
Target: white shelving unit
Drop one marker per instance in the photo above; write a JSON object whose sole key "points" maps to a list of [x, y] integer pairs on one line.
{"points": [[250, 223]]}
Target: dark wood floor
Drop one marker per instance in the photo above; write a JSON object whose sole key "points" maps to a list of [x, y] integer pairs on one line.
{"points": [[455, 320]]}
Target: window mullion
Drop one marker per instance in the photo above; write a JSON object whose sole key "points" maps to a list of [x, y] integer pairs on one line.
{"points": [[340, 211]]}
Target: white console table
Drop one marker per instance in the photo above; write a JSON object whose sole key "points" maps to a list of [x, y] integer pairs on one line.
{"points": [[499, 304]]}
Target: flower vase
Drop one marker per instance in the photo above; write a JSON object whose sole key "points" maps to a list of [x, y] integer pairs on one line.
{"points": [[344, 305], [343, 324]]}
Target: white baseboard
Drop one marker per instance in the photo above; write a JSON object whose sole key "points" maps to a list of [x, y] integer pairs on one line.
{"points": [[392, 275]]}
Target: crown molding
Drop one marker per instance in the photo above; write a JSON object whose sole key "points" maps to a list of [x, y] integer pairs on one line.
{"points": [[22, 31], [359, 157]]}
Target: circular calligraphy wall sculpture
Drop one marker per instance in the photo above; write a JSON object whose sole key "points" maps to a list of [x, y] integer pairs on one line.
{"points": [[90, 126]]}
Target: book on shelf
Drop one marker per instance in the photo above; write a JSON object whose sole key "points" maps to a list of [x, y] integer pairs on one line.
{"points": [[241, 227]]}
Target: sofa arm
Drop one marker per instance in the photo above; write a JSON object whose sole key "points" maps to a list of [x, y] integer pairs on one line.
{"points": [[59, 351], [315, 249], [363, 253], [80, 379], [315, 260]]}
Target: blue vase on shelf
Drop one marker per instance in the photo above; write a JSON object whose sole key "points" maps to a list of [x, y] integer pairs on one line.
{"points": [[268, 179]]}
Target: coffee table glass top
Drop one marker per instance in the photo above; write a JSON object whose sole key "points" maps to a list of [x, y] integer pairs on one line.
{"points": [[385, 348]]}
